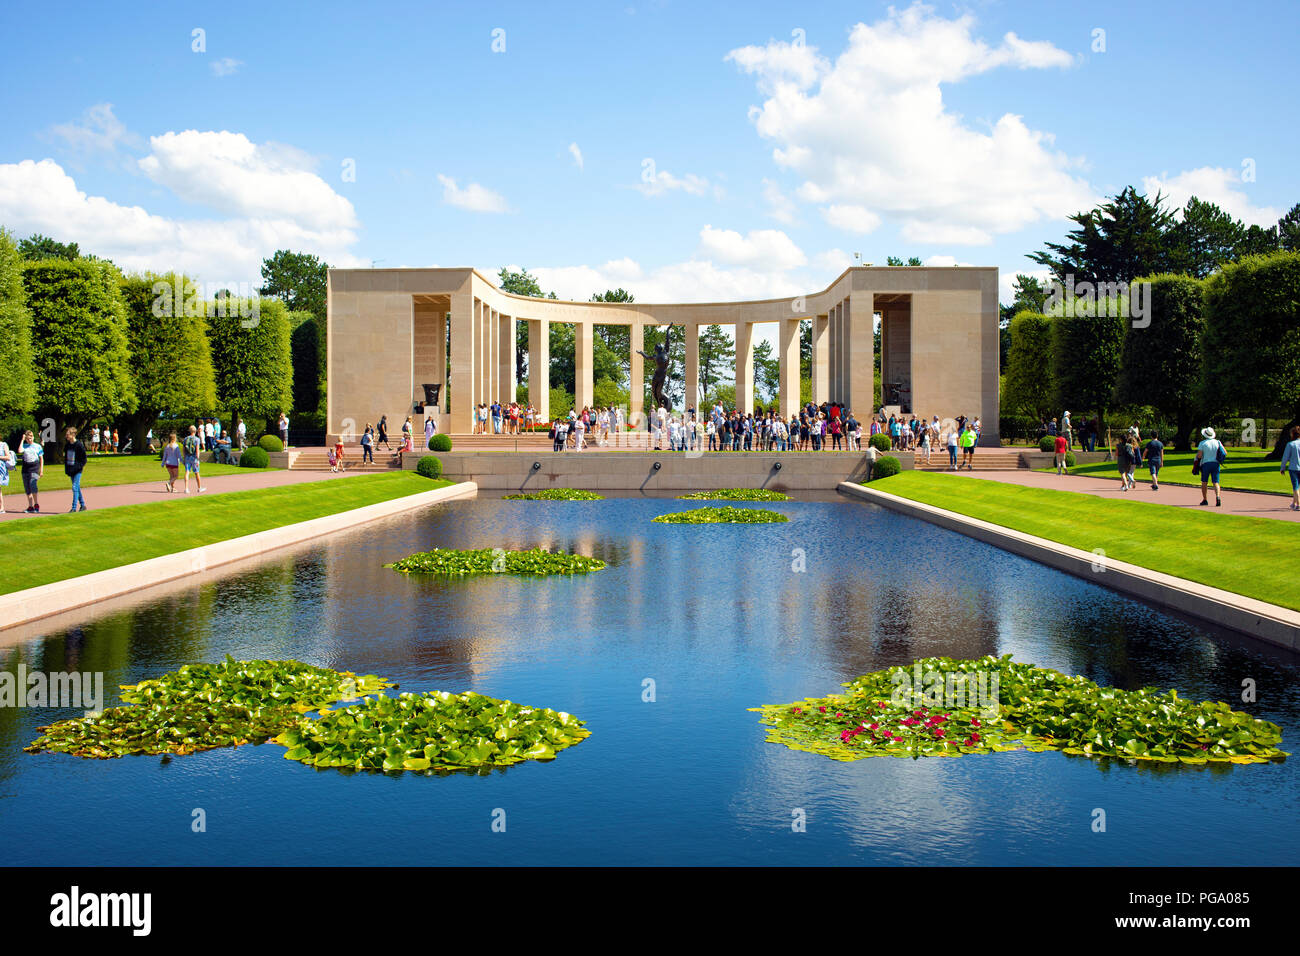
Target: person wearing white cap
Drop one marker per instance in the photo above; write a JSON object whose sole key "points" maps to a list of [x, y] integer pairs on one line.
{"points": [[1209, 457]]}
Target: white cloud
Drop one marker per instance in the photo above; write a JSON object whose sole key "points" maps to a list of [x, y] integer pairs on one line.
{"points": [[1007, 281], [473, 197], [231, 174], [98, 131], [779, 206], [870, 133], [657, 182], [576, 153], [42, 197], [225, 66], [851, 218], [769, 249], [1221, 186]]}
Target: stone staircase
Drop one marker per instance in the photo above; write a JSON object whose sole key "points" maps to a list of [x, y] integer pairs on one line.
{"points": [[317, 459]]}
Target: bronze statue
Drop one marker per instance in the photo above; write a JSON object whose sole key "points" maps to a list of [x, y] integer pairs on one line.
{"points": [[660, 359]]}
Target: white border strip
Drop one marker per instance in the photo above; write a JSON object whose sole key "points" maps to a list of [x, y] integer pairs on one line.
{"points": [[1276, 625], [47, 600]]}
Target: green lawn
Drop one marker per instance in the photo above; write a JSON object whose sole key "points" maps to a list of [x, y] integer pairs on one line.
{"points": [[104, 470], [1254, 557], [42, 550], [1245, 470]]}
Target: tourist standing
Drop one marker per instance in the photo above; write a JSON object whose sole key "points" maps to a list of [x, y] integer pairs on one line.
{"points": [[1134, 459], [171, 460], [284, 430], [242, 432], [368, 445], [967, 442], [871, 459], [33, 456], [383, 432], [407, 443], [1209, 457], [74, 460], [428, 430], [1290, 465], [952, 449], [1062, 446], [193, 445]]}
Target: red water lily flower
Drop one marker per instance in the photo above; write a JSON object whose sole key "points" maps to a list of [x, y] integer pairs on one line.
{"points": [[798, 710], [822, 709], [974, 722], [938, 733]]}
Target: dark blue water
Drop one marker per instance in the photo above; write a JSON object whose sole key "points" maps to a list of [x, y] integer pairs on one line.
{"points": [[718, 619]]}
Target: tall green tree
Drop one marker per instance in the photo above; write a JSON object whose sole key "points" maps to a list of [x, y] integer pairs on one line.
{"points": [[17, 386], [1027, 382], [1086, 349], [1289, 230], [767, 371], [1204, 238], [252, 361], [897, 261], [1115, 242], [307, 345], [617, 338], [38, 246], [171, 360], [298, 279], [1251, 343], [523, 283], [717, 355], [81, 359], [1161, 361]]}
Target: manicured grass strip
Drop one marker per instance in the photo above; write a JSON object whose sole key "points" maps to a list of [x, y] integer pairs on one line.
{"points": [[1250, 556], [43, 550], [1244, 470], [106, 470]]}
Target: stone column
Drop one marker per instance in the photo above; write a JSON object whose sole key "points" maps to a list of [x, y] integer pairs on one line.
{"points": [[480, 354], [464, 360], [440, 362], [788, 367], [539, 367], [862, 344], [494, 357], [636, 375], [584, 343], [506, 357], [693, 368], [745, 366], [821, 359]]}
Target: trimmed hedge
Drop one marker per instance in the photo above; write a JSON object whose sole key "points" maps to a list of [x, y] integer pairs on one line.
{"points": [[1047, 443], [270, 443], [440, 442], [881, 442], [429, 466], [885, 467], [254, 457]]}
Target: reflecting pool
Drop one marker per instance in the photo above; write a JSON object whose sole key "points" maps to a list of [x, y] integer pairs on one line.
{"points": [[720, 618]]}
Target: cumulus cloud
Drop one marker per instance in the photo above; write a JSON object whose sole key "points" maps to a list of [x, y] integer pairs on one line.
{"points": [[473, 197], [769, 249], [231, 174], [871, 136], [576, 153], [42, 197], [1219, 185]]}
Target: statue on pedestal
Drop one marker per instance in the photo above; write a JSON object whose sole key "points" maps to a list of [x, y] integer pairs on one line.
{"points": [[660, 358]]}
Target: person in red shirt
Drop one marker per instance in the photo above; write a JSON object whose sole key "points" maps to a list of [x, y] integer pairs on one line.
{"points": [[1062, 446], [338, 452]]}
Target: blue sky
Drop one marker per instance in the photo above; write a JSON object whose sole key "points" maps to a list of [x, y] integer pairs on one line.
{"points": [[780, 139]]}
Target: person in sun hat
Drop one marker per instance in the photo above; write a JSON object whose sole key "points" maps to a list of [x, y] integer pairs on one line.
{"points": [[1210, 456]]}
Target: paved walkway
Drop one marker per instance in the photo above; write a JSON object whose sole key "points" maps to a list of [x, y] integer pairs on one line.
{"points": [[112, 496], [1234, 502]]}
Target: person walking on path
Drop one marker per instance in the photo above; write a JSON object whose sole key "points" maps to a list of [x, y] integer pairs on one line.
{"points": [[1155, 456], [74, 460], [1122, 462], [1134, 458], [383, 433], [1062, 446], [171, 460], [1290, 465], [33, 456], [193, 445], [1209, 457], [967, 442], [7, 461]]}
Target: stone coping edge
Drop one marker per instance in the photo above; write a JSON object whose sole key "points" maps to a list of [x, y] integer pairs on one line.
{"points": [[1270, 623], [47, 600]]}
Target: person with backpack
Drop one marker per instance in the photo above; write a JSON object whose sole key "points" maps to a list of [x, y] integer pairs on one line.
{"points": [[1290, 465], [33, 456], [74, 461], [192, 446], [1210, 457]]}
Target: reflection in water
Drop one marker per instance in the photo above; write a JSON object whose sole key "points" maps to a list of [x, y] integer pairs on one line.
{"points": [[721, 618]]}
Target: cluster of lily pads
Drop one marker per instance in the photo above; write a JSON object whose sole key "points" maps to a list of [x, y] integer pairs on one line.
{"points": [[726, 514], [1015, 706], [555, 494], [432, 732], [736, 494], [204, 706], [534, 561]]}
